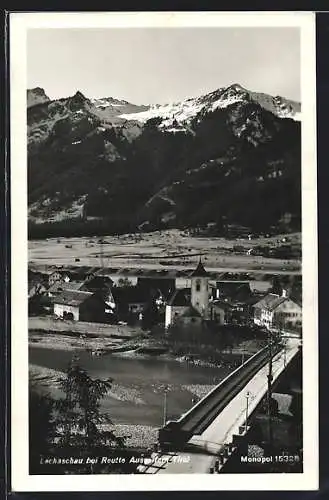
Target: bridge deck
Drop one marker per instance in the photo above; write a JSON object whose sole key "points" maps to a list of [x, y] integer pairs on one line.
{"points": [[201, 416], [225, 425]]}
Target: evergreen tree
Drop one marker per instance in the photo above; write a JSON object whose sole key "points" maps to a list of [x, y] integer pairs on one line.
{"points": [[74, 426], [79, 414]]}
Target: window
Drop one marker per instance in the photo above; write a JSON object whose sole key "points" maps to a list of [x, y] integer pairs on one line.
{"points": [[198, 285], [68, 315]]}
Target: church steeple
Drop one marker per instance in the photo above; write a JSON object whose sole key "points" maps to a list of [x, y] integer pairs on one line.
{"points": [[200, 271], [199, 290]]}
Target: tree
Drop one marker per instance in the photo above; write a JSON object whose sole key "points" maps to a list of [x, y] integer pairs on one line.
{"points": [[79, 414], [83, 426], [42, 427], [75, 428]]}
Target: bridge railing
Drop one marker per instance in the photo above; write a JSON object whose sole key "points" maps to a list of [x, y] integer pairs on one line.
{"points": [[222, 383]]}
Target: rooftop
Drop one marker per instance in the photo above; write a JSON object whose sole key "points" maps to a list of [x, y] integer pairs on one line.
{"points": [[180, 298], [72, 297], [200, 271], [60, 287], [270, 302]]}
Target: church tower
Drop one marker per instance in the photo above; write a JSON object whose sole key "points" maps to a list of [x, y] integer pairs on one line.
{"points": [[200, 290]]}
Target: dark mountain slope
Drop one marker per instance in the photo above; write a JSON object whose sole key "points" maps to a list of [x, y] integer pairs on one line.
{"points": [[233, 163]]}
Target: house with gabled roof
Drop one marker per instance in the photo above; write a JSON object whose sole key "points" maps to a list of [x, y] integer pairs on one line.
{"points": [[59, 286], [278, 311], [79, 306]]}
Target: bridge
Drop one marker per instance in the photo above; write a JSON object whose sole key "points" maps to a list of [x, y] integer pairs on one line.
{"points": [[215, 424]]}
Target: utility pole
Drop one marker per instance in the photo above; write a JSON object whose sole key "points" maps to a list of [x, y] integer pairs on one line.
{"points": [[165, 407], [269, 390], [247, 408]]}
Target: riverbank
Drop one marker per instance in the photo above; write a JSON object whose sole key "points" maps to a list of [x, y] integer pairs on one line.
{"points": [[127, 342], [196, 356], [136, 436], [130, 397]]}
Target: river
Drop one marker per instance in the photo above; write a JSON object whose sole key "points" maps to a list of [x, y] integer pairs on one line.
{"points": [[137, 395]]}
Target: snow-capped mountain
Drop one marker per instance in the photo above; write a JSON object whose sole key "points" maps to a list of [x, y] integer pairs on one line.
{"points": [[45, 116], [175, 116], [230, 155], [172, 117]]}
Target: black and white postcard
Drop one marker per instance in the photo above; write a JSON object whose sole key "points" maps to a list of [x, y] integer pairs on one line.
{"points": [[164, 251]]}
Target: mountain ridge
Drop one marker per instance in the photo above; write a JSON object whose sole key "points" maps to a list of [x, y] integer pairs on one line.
{"points": [[283, 107], [146, 166]]}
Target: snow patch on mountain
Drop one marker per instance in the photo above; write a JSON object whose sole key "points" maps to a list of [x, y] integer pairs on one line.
{"points": [[108, 101], [224, 103], [47, 210], [181, 112], [178, 115], [110, 109]]}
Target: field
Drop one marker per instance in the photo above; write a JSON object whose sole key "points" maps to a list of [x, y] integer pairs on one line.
{"points": [[161, 250]]}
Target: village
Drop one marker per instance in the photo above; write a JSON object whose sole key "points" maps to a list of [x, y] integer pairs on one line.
{"points": [[193, 300], [165, 333]]}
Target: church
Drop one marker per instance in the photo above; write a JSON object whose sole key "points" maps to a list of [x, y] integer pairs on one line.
{"points": [[189, 306]]}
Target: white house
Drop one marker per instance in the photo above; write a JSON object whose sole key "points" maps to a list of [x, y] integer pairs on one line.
{"points": [[275, 311], [79, 306]]}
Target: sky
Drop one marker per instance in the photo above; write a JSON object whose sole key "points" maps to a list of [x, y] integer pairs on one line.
{"points": [[160, 65]]}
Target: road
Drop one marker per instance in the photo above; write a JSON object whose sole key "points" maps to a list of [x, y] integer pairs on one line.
{"points": [[225, 425], [206, 410], [141, 267]]}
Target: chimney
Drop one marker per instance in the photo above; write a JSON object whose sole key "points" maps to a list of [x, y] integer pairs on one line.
{"points": [[284, 293]]}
